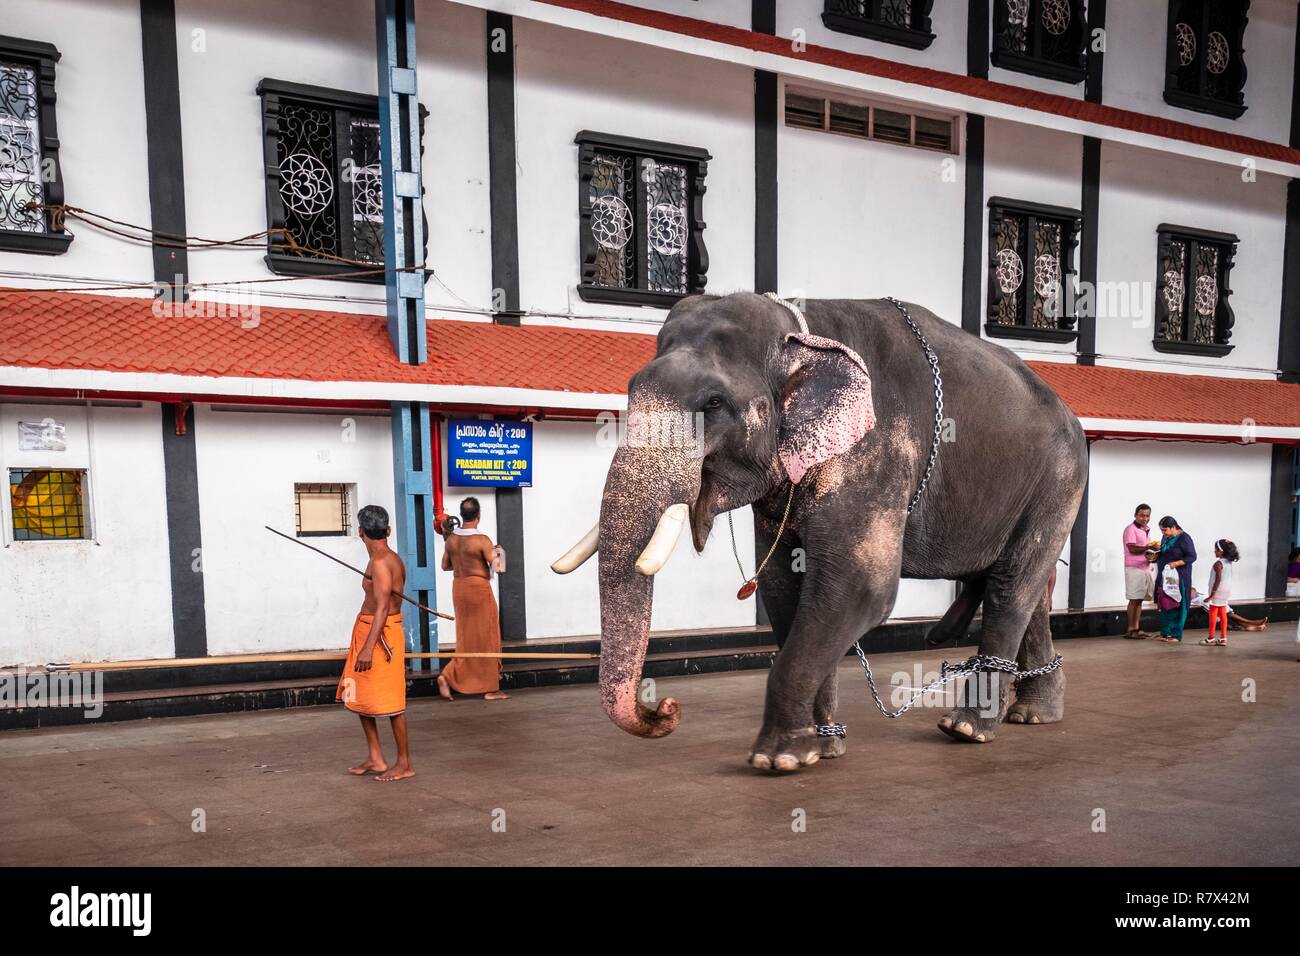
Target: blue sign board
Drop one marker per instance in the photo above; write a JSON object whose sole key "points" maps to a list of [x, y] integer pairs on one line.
{"points": [[489, 454]]}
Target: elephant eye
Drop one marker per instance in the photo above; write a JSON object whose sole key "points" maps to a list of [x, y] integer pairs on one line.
{"points": [[713, 403]]}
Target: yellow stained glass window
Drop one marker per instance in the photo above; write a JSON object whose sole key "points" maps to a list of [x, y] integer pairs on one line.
{"points": [[48, 503]]}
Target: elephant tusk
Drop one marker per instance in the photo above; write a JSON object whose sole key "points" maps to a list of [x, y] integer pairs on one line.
{"points": [[662, 542], [576, 556]]}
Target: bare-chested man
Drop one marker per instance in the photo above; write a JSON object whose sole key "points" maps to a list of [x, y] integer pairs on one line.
{"points": [[469, 553], [374, 678]]}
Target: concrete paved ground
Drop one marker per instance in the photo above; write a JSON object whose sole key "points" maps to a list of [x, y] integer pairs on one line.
{"points": [[1156, 737]]}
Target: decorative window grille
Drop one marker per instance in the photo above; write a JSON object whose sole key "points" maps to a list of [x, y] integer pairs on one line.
{"points": [[1046, 38], [1192, 311], [1204, 66], [640, 209], [806, 109], [324, 181], [321, 510], [1031, 270], [48, 504], [30, 179], [904, 22]]}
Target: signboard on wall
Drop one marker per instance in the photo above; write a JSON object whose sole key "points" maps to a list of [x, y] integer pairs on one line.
{"points": [[45, 435], [482, 453]]}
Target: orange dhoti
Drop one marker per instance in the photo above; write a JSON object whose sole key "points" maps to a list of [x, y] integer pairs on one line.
{"points": [[380, 691], [478, 630]]}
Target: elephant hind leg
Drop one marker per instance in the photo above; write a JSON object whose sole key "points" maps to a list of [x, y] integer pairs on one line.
{"points": [[1039, 700], [1016, 592]]}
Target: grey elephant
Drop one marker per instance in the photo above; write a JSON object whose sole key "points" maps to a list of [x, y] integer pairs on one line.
{"points": [[823, 419]]}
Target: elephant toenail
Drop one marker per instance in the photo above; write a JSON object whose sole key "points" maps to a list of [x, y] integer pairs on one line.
{"points": [[811, 759], [787, 762], [965, 729], [1034, 719], [761, 762], [981, 738], [945, 722]]}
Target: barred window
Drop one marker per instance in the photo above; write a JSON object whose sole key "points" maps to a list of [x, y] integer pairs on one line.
{"points": [[30, 179], [324, 181], [1046, 38], [321, 510], [903, 22], [1204, 69], [640, 207], [1031, 270], [48, 504], [1192, 311]]}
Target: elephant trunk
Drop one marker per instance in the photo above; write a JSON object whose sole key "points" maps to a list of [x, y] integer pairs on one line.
{"points": [[642, 512]]}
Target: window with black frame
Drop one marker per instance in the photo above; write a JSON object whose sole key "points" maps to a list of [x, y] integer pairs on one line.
{"points": [[1046, 38], [30, 178], [324, 181], [641, 223], [1204, 66], [1031, 270], [902, 22], [1192, 312]]}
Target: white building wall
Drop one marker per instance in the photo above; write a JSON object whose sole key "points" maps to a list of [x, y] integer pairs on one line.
{"points": [[109, 597], [226, 50], [99, 81], [1030, 164], [692, 591], [859, 219], [263, 594], [1214, 491], [1140, 190], [568, 81], [1135, 67]]}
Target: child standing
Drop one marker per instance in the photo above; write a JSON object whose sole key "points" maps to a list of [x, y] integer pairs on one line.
{"points": [[1225, 553]]}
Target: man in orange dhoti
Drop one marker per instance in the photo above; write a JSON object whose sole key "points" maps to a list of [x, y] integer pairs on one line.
{"points": [[469, 553], [373, 685]]}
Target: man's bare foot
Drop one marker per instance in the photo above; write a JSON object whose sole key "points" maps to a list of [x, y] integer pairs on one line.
{"points": [[444, 689], [496, 695], [399, 771], [371, 765]]}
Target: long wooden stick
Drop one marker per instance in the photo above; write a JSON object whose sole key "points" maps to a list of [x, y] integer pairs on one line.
{"points": [[445, 617], [301, 656]]}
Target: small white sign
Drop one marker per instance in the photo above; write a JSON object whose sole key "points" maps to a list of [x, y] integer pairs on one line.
{"points": [[46, 435]]}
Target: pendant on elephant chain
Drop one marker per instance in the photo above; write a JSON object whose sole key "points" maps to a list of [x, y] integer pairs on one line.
{"points": [[751, 584]]}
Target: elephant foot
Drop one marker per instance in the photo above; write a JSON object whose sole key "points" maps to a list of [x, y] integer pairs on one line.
{"points": [[967, 725], [833, 747], [785, 751], [1039, 700]]}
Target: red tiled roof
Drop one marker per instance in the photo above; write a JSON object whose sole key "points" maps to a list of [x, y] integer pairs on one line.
{"points": [[1121, 393], [937, 79], [114, 333], [60, 330]]}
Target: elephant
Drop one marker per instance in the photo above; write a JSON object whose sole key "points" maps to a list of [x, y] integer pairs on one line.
{"points": [[823, 420]]}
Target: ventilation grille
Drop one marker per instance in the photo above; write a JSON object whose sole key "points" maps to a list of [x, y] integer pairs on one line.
{"points": [[889, 124]]}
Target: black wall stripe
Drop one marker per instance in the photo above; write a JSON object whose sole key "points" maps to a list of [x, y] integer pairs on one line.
{"points": [[977, 39], [162, 104], [502, 182], [1079, 550], [502, 192], [1096, 59], [184, 537], [162, 108], [1089, 239], [766, 130], [1281, 518], [973, 266]]}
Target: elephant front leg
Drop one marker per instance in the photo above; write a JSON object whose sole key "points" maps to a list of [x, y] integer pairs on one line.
{"points": [[801, 687]]}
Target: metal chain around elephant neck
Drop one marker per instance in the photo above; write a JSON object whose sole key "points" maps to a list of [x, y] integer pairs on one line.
{"points": [[933, 359]]}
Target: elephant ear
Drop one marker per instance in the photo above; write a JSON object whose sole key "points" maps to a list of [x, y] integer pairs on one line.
{"points": [[826, 405]]}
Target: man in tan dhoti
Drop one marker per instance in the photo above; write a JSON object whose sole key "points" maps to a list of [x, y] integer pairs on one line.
{"points": [[469, 553]]}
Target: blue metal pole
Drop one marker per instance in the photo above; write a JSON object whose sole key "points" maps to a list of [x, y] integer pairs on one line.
{"points": [[399, 131]]}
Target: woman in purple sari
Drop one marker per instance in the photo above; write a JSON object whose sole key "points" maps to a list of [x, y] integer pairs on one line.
{"points": [[1178, 551]]}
